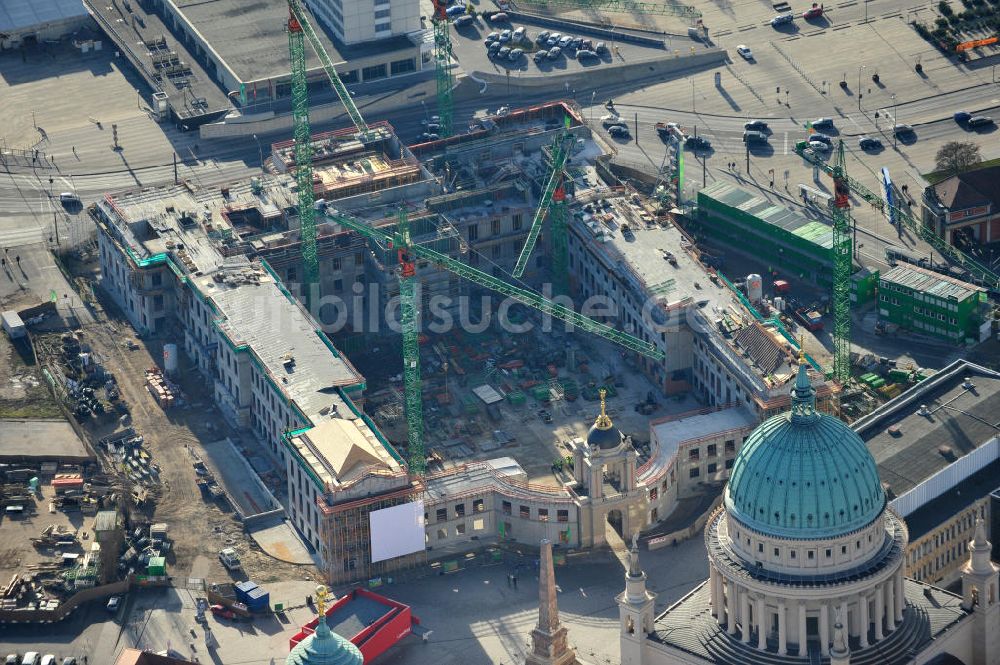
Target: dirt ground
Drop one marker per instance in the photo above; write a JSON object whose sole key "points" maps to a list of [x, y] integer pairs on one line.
{"points": [[23, 392], [198, 528]]}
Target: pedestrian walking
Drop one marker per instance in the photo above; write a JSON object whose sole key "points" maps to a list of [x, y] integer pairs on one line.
{"points": [[515, 582]]}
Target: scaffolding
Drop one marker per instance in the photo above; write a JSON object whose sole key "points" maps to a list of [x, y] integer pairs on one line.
{"points": [[345, 532]]}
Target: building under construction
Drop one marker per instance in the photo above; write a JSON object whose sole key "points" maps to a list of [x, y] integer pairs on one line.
{"points": [[219, 269]]}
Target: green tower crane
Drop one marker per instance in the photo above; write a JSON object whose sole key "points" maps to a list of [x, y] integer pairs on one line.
{"points": [[300, 29], [302, 134], [442, 65], [843, 250], [407, 253], [553, 204]]}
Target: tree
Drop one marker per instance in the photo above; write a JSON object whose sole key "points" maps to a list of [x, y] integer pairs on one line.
{"points": [[956, 157]]}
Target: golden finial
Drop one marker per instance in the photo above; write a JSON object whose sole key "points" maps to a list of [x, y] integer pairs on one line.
{"points": [[321, 594], [802, 349], [603, 421]]}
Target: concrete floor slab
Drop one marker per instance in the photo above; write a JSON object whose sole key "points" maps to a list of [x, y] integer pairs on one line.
{"points": [[279, 539]]}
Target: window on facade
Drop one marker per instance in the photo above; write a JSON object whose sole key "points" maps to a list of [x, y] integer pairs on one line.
{"points": [[792, 553], [442, 534], [524, 512], [375, 71], [505, 508], [442, 514], [478, 506], [157, 279], [760, 547], [518, 221], [543, 514], [406, 66], [335, 264], [653, 493], [382, 13], [495, 227], [496, 251], [478, 525], [473, 232], [777, 552], [383, 27], [338, 285], [712, 467], [290, 275], [694, 472], [712, 450], [562, 516], [811, 554], [460, 530], [729, 463], [694, 454], [460, 510]]}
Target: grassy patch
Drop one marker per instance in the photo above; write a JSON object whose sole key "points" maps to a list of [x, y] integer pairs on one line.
{"points": [[934, 177], [29, 409]]}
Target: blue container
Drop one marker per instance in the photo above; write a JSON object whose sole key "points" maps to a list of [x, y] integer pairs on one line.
{"points": [[243, 589], [258, 600]]}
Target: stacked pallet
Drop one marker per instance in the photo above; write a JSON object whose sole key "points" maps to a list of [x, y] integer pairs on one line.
{"points": [[161, 388]]}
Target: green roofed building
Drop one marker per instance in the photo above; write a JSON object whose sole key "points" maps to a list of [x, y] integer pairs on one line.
{"points": [[794, 245], [927, 302]]}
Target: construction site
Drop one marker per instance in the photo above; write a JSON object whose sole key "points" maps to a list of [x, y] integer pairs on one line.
{"points": [[375, 357]]}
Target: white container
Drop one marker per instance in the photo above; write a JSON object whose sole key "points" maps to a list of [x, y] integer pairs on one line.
{"points": [[779, 303], [170, 358], [755, 288]]}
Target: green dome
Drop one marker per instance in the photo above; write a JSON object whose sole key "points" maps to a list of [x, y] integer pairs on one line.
{"points": [[804, 474], [324, 647]]}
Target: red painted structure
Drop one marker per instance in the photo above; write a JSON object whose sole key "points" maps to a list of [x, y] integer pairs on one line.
{"points": [[373, 623]]}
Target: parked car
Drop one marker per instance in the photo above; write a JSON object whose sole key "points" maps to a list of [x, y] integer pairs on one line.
{"points": [[755, 125], [782, 19], [822, 123], [223, 612], [542, 37], [433, 120], [588, 44], [429, 136], [464, 20], [540, 55], [980, 121], [819, 146], [432, 127], [505, 36], [584, 54], [493, 36], [47, 659], [31, 658], [554, 52], [455, 11], [869, 143], [745, 51], [11, 659], [822, 138], [113, 603], [520, 33], [619, 131], [577, 43], [503, 52], [554, 38], [611, 119], [902, 129], [565, 41], [69, 660], [697, 143], [601, 48], [492, 49], [499, 17], [515, 54], [69, 197], [813, 12]]}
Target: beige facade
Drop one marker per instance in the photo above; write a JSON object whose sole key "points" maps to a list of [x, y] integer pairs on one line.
{"points": [[938, 556]]}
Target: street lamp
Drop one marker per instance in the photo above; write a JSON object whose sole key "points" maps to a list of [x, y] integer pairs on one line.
{"points": [[692, 97], [894, 120], [862, 67], [260, 153]]}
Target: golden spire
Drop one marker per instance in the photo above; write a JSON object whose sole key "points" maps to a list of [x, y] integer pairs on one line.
{"points": [[603, 421], [321, 593], [802, 350]]}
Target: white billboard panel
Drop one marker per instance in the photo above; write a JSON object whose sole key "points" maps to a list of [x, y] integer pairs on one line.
{"points": [[397, 531]]}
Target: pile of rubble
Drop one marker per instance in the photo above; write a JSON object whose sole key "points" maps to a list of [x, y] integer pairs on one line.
{"points": [[124, 452]]}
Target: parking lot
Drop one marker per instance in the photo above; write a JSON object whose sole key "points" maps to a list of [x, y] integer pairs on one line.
{"points": [[537, 57]]}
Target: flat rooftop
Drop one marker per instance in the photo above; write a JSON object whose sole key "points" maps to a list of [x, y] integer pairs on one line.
{"points": [[960, 421], [931, 283], [787, 220], [35, 440], [655, 260], [299, 359], [456, 481], [680, 429], [933, 513], [250, 37]]}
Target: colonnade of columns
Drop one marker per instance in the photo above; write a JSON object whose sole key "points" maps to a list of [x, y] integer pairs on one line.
{"points": [[868, 613]]}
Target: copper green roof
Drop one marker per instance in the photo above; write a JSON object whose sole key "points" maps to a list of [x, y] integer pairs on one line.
{"points": [[804, 474], [325, 647]]}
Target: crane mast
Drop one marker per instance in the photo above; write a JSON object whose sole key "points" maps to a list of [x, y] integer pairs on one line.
{"points": [[442, 66]]}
